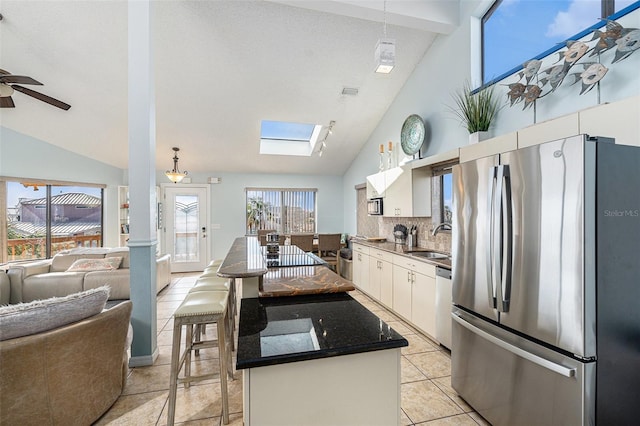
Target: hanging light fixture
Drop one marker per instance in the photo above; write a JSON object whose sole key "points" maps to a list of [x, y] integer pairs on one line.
{"points": [[176, 175], [385, 54]]}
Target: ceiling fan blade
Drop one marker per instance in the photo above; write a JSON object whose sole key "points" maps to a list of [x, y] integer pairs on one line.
{"points": [[41, 97], [7, 102], [20, 79]]}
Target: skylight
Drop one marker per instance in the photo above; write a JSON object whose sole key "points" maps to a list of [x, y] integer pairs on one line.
{"points": [[283, 138]]}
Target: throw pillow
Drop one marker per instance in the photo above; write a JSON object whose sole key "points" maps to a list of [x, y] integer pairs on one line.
{"points": [[24, 319], [104, 264]]}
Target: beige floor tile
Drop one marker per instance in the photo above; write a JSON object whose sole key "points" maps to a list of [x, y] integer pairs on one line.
{"points": [[170, 304], [147, 379], [433, 364], [171, 297], [423, 401], [404, 419], [444, 383], [195, 403], [211, 421], [479, 419], [401, 327], [418, 344], [459, 420], [385, 315], [410, 372], [140, 409]]}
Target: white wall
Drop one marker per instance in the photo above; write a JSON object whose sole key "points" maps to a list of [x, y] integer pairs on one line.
{"points": [[444, 69], [23, 156], [228, 202]]}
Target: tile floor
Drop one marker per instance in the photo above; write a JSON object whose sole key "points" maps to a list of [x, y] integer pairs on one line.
{"points": [[427, 396]]}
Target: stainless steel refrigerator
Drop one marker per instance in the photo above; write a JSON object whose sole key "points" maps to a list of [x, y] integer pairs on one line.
{"points": [[546, 284]]}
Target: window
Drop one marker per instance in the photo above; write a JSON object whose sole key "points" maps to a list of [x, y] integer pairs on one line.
{"points": [[40, 219], [442, 190], [285, 210], [514, 31], [282, 138]]}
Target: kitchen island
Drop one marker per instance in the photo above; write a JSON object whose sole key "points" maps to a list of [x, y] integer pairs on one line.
{"points": [[309, 352], [317, 360]]}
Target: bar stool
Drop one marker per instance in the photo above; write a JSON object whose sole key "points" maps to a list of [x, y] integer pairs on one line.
{"points": [[212, 282], [199, 307]]}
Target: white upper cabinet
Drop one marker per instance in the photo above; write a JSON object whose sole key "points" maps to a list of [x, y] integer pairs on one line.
{"points": [[406, 191], [493, 146], [619, 120], [550, 130]]}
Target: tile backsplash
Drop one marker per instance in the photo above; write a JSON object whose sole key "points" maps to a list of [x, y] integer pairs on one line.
{"points": [[441, 242], [379, 226]]}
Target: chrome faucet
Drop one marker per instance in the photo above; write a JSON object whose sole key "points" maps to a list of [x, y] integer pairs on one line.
{"points": [[443, 226]]}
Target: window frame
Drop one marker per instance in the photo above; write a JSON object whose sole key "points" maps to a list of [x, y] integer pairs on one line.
{"points": [[438, 171], [607, 6], [47, 185], [281, 221]]}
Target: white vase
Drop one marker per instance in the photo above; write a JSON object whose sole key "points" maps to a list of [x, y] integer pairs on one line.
{"points": [[479, 136]]}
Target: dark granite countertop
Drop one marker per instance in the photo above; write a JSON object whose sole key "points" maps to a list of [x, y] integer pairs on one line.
{"points": [[401, 249], [298, 328]]}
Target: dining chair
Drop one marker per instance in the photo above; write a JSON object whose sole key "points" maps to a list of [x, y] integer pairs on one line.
{"points": [[303, 241], [262, 235], [329, 249]]}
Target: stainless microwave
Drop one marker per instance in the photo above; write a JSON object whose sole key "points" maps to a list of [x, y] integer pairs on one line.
{"points": [[374, 206]]}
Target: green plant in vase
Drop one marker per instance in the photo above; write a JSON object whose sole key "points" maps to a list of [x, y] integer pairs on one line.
{"points": [[476, 111]]}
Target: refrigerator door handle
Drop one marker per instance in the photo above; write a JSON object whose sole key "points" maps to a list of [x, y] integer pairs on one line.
{"points": [[506, 235], [542, 362], [496, 238], [491, 252]]}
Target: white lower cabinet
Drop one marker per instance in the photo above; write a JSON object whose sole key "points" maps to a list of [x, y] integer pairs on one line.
{"points": [[402, 283], [381, 276], [360, 267], [414, 292]]}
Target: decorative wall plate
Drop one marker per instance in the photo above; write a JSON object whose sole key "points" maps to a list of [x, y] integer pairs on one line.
{"points": [[412, 134]]}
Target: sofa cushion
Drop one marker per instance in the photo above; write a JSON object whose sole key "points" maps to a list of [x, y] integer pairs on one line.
{"points": [[24, 319], [87, 265], [117, 280], [122, 252], [53, 284], [62, 261]]}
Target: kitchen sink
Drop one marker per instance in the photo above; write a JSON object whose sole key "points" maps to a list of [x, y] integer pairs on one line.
{"points": [[429, 254]]}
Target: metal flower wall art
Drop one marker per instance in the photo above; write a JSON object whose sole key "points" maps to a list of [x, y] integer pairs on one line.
{"points": [[533, 83]]}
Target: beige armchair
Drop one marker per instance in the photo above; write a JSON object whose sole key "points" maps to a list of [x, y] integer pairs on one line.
{"points": [[70, 375]]}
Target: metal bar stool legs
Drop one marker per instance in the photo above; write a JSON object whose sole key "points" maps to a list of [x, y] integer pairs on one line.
{"points": [[199, 307]]}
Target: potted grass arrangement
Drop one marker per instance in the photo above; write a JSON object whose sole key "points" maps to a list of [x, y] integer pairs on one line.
{"points": [[476, 111]]}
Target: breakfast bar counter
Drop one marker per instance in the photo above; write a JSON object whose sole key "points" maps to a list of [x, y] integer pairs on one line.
{"points": [[292, 273]]}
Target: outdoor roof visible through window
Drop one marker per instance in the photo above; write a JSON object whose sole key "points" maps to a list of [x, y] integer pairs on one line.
{"points": [[284, 138]]}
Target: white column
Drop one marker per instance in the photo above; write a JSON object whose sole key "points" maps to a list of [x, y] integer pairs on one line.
{"points": [[142, 183]]}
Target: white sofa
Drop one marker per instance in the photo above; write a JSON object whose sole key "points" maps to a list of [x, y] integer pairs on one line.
{"points": [[48, 278]]}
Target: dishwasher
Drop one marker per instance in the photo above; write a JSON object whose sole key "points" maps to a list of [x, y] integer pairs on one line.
{"points": [[443, 306]]}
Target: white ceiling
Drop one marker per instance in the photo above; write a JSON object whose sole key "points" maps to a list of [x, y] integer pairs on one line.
{"points": [[221, 68]]}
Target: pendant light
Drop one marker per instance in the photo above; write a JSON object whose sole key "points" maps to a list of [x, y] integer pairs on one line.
{"points": [[385, 54], [176, 175]]}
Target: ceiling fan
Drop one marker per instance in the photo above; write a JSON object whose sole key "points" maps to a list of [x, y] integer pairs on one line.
{"points": [[10, 82]]}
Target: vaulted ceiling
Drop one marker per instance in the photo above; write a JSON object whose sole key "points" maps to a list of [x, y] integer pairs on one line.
{"points": [[221, 68]]}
